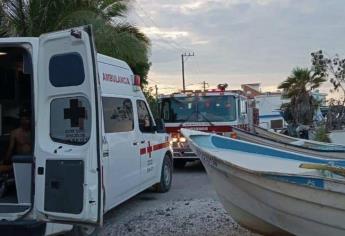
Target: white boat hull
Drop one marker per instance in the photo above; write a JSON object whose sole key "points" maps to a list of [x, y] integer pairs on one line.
{"points": [[267, 209], [277, 143], [309, 144]]}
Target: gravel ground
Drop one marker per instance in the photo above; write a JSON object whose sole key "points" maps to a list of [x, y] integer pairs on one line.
{"points": [[190, 217], [190, 208]]}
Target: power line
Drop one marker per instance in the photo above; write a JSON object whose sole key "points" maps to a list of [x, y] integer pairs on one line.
{"points": [[157, 26], [153, 81], [162, 39], [173, 44]]}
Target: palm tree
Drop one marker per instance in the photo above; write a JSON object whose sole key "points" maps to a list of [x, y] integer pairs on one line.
{"points": [[298, 87], [113, 37]]}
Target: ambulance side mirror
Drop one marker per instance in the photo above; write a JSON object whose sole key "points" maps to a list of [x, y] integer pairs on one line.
{"points": [[160, 126]]}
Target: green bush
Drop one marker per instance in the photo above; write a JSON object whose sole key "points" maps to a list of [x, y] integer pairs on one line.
{"points": [[321, 135]]}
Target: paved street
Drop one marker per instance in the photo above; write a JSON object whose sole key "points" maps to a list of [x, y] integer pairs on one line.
{"points": [[190, 208]]}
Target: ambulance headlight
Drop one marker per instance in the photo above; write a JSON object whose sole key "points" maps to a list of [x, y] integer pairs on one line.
{"points": [[182, 140], [174, 140]]}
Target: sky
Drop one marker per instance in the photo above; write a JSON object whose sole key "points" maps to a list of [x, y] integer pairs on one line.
{"points": [[237, 41]]}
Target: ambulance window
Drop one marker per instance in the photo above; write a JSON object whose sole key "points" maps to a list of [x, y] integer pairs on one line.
{"points": [[144, 117], [70, 120], [118, 114], [66, 70]]}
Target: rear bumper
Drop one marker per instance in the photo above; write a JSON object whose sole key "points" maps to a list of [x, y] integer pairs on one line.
{"points": [[24, 227]]}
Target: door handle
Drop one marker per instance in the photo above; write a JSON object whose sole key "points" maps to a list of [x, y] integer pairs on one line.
{"points": [[143, 141], [135, 143]]}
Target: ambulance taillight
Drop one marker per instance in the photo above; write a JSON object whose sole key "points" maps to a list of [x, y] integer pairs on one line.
{"points": [[136, 82]]}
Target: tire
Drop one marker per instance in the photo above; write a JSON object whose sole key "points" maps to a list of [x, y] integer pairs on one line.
{"points": [[166, 176], [83, 231], [179, 163]]}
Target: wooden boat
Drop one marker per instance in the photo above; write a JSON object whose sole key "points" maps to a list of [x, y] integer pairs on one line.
{"points": [[314, 145], [280, 141], [271, 191]]}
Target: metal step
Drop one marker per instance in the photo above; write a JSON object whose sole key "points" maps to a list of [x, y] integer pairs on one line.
{"points": [[13, 208]]}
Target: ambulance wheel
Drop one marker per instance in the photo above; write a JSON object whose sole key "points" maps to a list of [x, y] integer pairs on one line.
{"points": [[79, 230], [179, 163], [166, 176]]}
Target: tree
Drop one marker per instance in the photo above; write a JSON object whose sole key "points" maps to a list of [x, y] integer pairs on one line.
{"points": [[152, 101], [113, 37], [332, 68], [298, 87]]}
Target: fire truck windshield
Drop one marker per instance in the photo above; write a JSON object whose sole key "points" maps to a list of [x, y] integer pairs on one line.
{"points": [[199, 109]]}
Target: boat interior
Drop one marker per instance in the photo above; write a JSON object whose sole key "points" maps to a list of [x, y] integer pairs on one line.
{"points": [[260, 158], [16, 126]]}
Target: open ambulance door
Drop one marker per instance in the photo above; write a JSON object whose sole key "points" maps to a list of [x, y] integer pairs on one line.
{"points": [[68, 178]]}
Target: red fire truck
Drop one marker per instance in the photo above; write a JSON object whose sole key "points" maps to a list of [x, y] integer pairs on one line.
{"points": [[210, 111]]}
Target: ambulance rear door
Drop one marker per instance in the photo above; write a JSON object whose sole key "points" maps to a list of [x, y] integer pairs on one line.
{"points": [[68, 176]]}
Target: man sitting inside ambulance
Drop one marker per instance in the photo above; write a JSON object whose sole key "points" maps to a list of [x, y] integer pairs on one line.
{"points": [[20, 138]]}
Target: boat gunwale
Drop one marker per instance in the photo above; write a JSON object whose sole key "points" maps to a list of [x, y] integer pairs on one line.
{"points": [[289, 144], [306, 140], [265, 173]]}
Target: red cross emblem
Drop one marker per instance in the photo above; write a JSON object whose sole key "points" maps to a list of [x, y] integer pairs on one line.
{"points": [[75, 113], [149, 149]]}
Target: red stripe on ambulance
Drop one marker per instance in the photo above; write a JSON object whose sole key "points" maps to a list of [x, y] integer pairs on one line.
{"points": [[153, 148]]}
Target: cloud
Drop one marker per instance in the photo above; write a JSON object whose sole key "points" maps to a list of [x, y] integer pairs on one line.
{"points": [[239, 40], [165, 33]]}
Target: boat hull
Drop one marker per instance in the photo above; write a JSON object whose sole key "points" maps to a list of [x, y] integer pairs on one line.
{"points": [[308, 144], [280, 144], [271, 207]]}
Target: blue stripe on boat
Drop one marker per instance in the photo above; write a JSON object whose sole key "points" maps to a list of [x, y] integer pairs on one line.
{"points": [[305, 181], [271, 116], [227, 143]]}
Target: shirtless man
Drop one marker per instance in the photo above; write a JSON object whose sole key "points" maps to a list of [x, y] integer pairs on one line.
{"points": [[20, 139]]}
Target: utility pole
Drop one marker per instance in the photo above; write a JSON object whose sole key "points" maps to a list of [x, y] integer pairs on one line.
{"points": [[182, 57], [204, 85], [156, 102], [156, 88]]}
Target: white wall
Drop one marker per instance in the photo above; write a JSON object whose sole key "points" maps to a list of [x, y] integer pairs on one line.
{"points": [[268, 105]]}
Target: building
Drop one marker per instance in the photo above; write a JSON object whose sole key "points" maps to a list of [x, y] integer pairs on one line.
{"points": [[269, 110], [251, 90], [268, 104]]}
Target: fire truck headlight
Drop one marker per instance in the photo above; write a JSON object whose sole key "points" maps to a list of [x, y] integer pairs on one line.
{"points": [[182, 139], [174, 140]]}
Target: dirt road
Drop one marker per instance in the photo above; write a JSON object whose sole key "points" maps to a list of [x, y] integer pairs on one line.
{"points": [[190, 208]]}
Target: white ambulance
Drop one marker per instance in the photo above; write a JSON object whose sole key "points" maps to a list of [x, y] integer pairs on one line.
{"points": [[77, 137]]}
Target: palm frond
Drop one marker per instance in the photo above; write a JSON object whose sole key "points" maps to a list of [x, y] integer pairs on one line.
{"points": [[114, 8], [113, 37], [125, 27]]}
